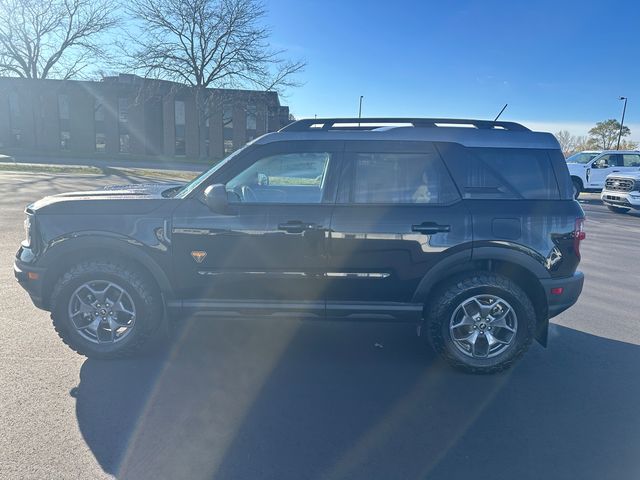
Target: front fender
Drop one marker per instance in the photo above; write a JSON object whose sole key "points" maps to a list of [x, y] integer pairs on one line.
{"points": [[65, 250]]}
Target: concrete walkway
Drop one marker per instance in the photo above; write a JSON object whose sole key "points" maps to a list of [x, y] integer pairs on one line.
{"points": [[106, 163]]}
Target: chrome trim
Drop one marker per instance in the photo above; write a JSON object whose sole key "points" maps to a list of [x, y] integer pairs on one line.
{"points": [[214, 273], [358, 274], [227, 272]]}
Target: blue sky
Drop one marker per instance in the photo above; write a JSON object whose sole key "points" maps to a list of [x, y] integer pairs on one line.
{"points": [[558, 64]]}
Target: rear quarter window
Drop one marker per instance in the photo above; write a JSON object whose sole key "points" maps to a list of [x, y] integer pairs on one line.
{"points": [[501, 173]]}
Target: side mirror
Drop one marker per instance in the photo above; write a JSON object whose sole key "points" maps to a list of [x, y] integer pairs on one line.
{"points": [[216, 198]]}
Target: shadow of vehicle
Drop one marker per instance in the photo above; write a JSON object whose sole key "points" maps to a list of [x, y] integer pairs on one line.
{"points": [[283, 399]]}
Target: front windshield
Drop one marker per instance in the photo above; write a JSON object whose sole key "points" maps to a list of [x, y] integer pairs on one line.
{"points": [[196, 182], [581, 157]]}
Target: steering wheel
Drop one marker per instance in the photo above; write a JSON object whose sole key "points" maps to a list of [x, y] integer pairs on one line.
{"points": [[248, 194]]}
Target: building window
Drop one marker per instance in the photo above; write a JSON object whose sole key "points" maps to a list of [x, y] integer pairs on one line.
{"points": [[252, 121], [15, 120], [123, 125], [179, 122], [63, 120], [227, 127], [98, 119]]}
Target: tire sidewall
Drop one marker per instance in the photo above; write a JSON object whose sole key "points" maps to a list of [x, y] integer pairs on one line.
{"points": [[64, 323], [524, 332]]}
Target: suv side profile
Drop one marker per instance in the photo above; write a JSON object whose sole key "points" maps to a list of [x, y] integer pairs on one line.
{"points": [[467, 228], [588, 175]]}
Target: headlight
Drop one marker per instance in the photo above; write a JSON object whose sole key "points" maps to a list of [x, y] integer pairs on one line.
{"points": [[28, 229]]}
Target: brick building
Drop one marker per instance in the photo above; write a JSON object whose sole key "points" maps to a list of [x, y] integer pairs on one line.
{"points": [[128, 114]]}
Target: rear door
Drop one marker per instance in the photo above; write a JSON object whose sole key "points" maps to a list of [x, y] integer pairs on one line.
{"points": [[397, 214]]}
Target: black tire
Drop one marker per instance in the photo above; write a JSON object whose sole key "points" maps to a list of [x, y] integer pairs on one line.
{"points": [[577, 187], [444, 303], [618, 209], [147, 300]]}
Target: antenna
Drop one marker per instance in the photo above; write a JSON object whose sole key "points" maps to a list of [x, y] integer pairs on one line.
{"points": [[503, 109]]}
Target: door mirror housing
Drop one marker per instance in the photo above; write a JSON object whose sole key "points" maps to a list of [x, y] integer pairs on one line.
{"points": [[215, 197]]}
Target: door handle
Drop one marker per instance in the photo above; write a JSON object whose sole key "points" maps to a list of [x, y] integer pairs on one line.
{"points": [[296, 226], [615, 171], [430, 228]]}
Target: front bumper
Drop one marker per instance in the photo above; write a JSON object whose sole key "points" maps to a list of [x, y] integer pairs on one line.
{"points": [[30, 278], [571, 289], [621, 199]]}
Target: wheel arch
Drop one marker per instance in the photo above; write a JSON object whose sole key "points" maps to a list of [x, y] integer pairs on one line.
{"points": [[519, 267], [575, 178], [74, 250]]}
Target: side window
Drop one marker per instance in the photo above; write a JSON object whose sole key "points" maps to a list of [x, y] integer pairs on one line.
{"points": [[603, 162], [283, 178], [401, 178], [501, 173], [631, 160]]}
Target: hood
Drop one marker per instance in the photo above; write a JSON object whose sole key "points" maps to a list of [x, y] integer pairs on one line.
{"points": [[132, 199], [576, 167]]}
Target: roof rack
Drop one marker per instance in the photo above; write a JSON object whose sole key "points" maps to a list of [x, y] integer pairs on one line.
{"points": [[317, 124]]}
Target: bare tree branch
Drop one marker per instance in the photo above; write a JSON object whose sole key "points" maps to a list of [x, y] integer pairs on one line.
{"points": [[207, 43], [53, 38]]}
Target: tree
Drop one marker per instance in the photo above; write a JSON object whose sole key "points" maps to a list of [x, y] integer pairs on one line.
{"points": [[604, 136], [571, 144], [207, 43], [52, 38], [567, 142]]}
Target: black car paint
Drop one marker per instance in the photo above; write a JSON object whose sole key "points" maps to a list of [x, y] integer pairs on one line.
{"points": [[333, 259]]}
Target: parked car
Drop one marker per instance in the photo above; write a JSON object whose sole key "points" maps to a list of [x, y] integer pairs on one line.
{"points": [[621, 192], [590, 176], [470, 233], [583, 157]]}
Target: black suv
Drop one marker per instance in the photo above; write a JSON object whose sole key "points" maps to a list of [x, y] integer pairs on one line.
{"points": [[467, 228]]}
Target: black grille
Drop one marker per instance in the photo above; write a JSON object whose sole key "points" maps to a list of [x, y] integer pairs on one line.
{"points": [[619, 184]]}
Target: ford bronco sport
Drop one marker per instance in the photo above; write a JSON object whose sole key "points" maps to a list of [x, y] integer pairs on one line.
{"points": [[467, 228]]}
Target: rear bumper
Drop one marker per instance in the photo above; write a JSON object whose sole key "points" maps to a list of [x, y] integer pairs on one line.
{"points": [[33, 283], [571, 289]]}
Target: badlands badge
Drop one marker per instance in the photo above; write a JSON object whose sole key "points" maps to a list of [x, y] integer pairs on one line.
{"points": [[198, 255]]}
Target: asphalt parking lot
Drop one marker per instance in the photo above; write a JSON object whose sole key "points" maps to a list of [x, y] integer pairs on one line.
{"points": [[246, 399]]}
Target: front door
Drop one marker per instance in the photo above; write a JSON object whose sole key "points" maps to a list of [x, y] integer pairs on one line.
{"points": [[397, 214], [268, 253], [612, 163]]}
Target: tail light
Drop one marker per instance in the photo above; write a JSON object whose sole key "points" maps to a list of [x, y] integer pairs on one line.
{"points": [[578, 235]]}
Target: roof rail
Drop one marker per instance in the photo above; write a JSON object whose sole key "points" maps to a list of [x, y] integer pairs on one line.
{"points": [[317, 124]]}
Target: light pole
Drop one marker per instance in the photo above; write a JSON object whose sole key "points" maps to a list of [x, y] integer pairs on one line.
{"points": [[624, 109], [360, 109]]}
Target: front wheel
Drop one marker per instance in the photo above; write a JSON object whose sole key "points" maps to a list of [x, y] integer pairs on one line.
{"points": [[617, 209], [577, 187], [103, 309], [481, 323]]}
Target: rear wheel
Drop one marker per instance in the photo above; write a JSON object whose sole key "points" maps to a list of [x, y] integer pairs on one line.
{"points": [[103, 309], [618, 209], [481, 323]]}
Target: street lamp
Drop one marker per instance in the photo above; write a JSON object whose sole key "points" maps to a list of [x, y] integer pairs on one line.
{"points": [[624, 109], [360, 110]]}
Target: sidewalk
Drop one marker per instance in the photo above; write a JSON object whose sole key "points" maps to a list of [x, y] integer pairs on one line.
{"points": [[106, 163]]}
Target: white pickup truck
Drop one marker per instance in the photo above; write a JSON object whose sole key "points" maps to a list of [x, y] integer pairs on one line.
{"points": [[588, 173], [621, 192]]}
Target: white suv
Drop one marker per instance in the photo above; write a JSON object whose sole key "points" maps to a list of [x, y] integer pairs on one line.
{"points": [[622, 192], [591, 175]]}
